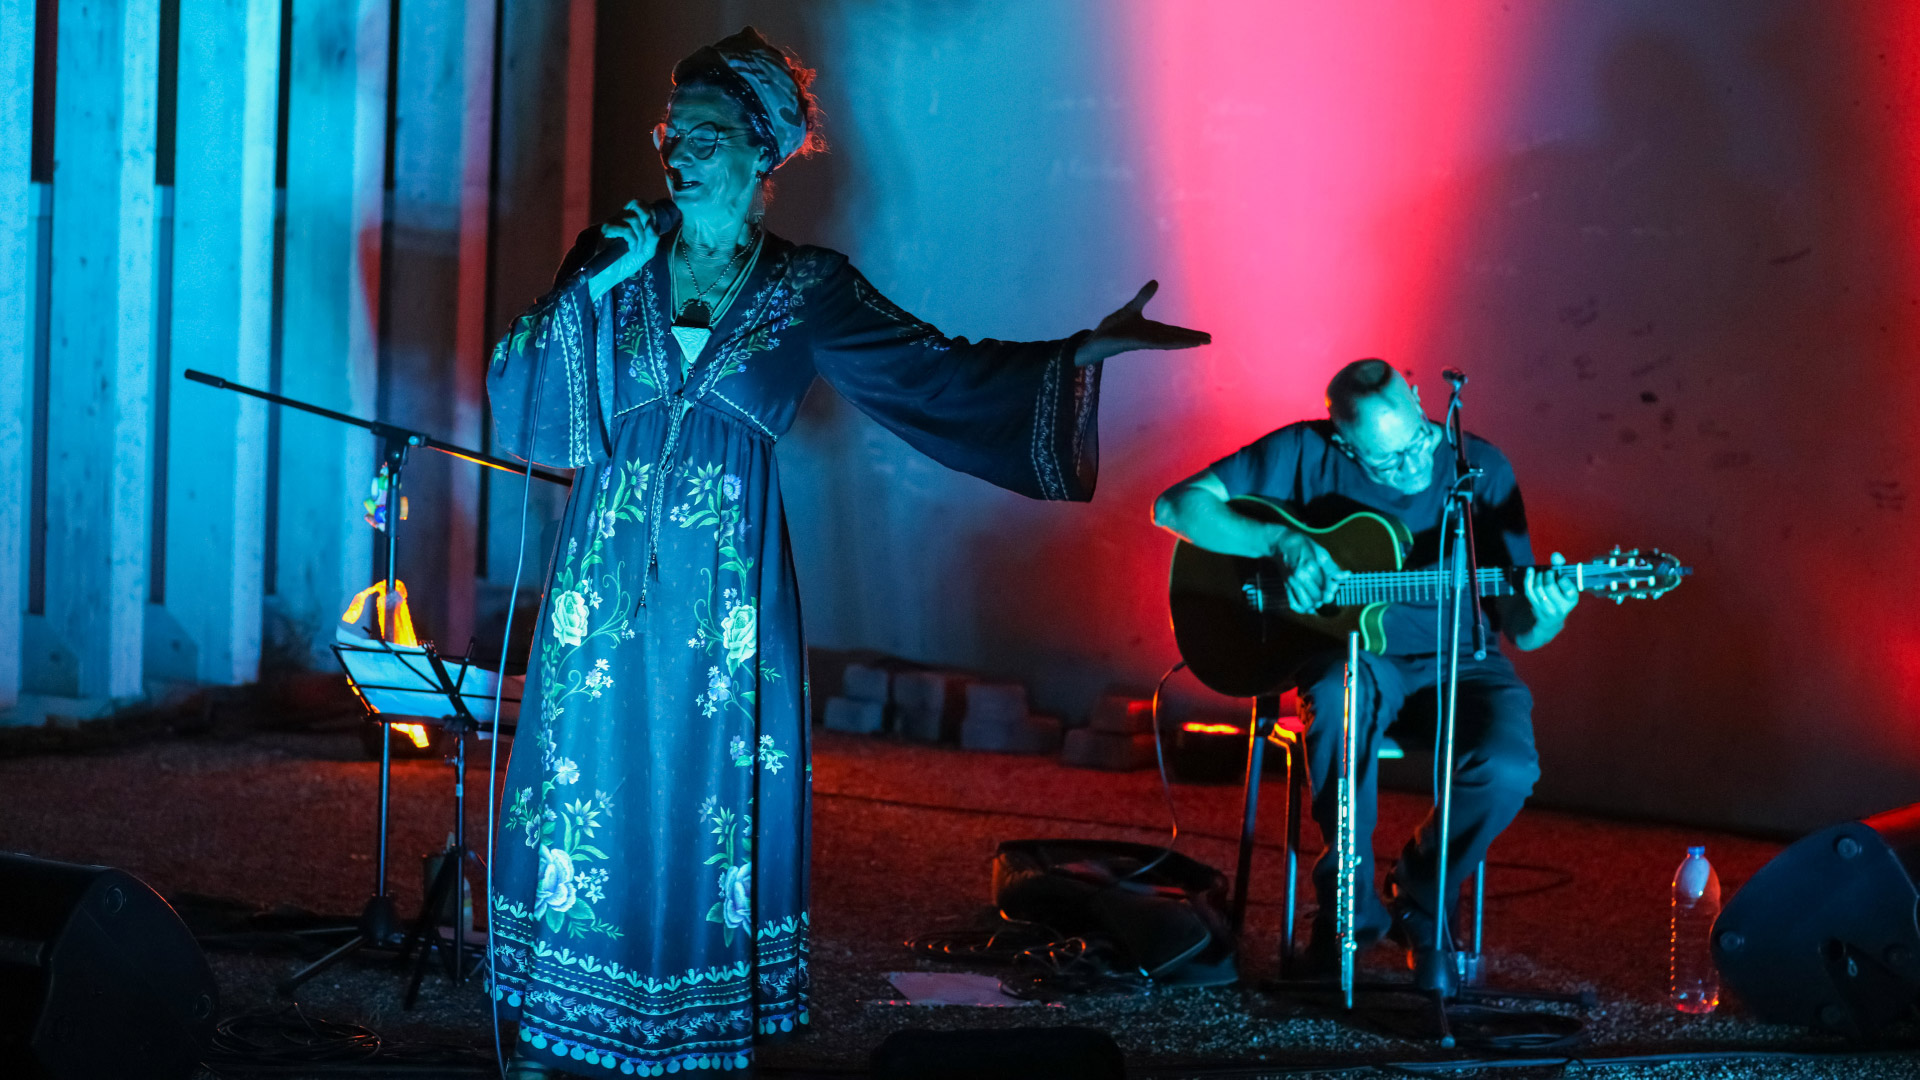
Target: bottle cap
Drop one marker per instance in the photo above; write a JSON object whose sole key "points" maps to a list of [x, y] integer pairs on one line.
{"points": [[1697, 851]]}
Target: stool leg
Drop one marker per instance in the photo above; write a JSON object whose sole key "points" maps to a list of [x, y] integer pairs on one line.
{"points": [[1479, 905], [1243, 867], [1296, 783]]}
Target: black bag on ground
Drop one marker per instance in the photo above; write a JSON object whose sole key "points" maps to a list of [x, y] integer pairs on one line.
{"points": [[1170, 920]]}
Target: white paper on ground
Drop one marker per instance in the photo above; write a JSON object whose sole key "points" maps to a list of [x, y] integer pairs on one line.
{"points": [[952, 988]]}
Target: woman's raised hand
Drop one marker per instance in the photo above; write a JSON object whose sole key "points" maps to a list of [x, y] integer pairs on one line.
{"points": [[634, 228], [1127, 329]]}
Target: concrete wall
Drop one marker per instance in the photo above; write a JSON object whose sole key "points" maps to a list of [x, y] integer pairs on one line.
{"points": [[160, 533], [1670, 243], [16, 309]]}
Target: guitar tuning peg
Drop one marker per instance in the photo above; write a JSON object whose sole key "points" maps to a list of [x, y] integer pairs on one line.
{"points": [[1619, 600], [1615, 551]]}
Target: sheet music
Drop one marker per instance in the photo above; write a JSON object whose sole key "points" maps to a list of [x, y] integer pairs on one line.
{"points": [[398, 680]]}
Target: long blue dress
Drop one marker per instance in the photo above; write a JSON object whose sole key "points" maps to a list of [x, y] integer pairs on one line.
{"points": [[650, 905]]}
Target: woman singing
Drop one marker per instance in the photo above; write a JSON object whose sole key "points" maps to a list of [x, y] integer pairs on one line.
{"points": [[650, 906]]}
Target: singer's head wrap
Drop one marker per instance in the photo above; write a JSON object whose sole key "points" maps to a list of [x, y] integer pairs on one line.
{"points": [[769, 84]]}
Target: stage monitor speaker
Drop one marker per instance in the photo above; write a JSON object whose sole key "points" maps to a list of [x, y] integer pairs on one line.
{"points": [[1025, 1053], [99, 979], [1827, 935]]}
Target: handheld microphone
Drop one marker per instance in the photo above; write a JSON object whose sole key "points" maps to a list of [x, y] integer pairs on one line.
{"points": [[1455, 376], [663, 216]]}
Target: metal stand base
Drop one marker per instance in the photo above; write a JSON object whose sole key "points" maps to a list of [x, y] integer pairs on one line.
{"points": [[426, 934], [1435, 1001], [379, 923]]}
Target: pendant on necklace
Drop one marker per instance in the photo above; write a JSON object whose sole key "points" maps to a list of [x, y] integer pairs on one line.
{"points": [[693, 328]]}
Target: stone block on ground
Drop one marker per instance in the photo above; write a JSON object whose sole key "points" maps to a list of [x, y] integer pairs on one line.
{"points": [[995, 704], [1030, 734], [866, 681], [1087, 748], [929, 705], [825, 670], [856, 717], [1122, 714]]}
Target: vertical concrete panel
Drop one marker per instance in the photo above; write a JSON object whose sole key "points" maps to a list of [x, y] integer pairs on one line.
{"points": [[16, 296], [470, 342], [530, 234], [577, 174], [101, 343], [335, 155], [430, 384], [222, 295]]}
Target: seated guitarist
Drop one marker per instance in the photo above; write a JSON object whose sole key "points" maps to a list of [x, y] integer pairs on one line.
{"points": [[1378, 451]]}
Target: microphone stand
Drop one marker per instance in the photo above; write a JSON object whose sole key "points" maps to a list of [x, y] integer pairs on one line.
{"points": [[379, 923], [1460, 580]]}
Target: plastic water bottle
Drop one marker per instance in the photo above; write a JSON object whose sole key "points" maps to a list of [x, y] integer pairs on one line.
{"points": [[1692, 981]]}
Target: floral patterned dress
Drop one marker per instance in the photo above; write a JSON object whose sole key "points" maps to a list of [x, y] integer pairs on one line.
{"points": [[650, 905]]}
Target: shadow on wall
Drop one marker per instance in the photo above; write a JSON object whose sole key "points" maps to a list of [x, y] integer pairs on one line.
{"points": [[1654, 335]]}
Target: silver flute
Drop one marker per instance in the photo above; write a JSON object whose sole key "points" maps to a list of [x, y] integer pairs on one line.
{"points": [[1347, 841]]}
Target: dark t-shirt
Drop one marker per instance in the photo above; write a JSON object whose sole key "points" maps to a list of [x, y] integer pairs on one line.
{"points": [[1300, 465]]}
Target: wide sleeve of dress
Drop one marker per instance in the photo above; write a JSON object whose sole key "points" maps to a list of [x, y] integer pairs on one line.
{"points": [[1018, 414], [547, 380]]}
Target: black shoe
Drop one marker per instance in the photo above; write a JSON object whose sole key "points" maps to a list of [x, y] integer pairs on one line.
{"points": [[1434, 964], [1434, 970], [1321, 960]]}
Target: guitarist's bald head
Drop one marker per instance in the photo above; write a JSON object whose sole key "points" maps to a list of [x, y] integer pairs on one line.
{"points": [[1378, 422], [1363, 383]]}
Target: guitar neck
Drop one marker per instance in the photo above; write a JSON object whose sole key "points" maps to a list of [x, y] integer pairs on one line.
{"points": [[1421, 586]]}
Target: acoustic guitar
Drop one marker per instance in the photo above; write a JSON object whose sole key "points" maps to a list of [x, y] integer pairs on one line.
{"points": [[1239, 637]]}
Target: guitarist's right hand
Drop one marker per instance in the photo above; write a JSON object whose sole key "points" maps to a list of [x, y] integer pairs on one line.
{"points": [[1314, 576]]}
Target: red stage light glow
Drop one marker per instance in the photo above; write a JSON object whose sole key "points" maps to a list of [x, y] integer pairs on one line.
{"points": [[1297, 146]]}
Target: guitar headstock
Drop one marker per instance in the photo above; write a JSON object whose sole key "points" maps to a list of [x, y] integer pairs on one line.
{"points": [[1632, 574]]}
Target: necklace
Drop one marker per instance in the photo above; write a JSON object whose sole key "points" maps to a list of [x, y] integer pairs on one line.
{"points": [[693, 324], [696, 312]]}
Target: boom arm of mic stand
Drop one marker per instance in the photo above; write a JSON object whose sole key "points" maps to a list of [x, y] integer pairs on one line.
{"points": [[384, 430]]}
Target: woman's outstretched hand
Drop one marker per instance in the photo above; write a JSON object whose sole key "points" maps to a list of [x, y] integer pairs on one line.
{"points": [[634, 227], [1127, 329]]}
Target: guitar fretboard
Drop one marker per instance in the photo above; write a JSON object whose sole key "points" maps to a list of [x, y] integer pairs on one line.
{"points": [[1413, 586], [1419, 585]]}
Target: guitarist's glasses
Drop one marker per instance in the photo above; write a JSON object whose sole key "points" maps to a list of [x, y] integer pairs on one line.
{"points": [[1414, 454]]}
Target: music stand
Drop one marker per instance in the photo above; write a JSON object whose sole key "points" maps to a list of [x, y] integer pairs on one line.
{"points": [[378, 922], [406, 684]]}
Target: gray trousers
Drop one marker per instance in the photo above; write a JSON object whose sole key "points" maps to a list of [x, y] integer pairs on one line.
{"points": [[1495, 768]]}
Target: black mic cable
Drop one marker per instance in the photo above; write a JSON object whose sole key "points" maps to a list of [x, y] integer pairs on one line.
{"points": [[499, 691], [664, 217]]}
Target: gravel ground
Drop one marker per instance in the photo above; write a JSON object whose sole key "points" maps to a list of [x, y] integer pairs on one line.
{"points": [[903, 836]]}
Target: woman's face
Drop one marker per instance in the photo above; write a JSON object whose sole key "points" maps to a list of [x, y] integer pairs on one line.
{"points": [[723, 184]]}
